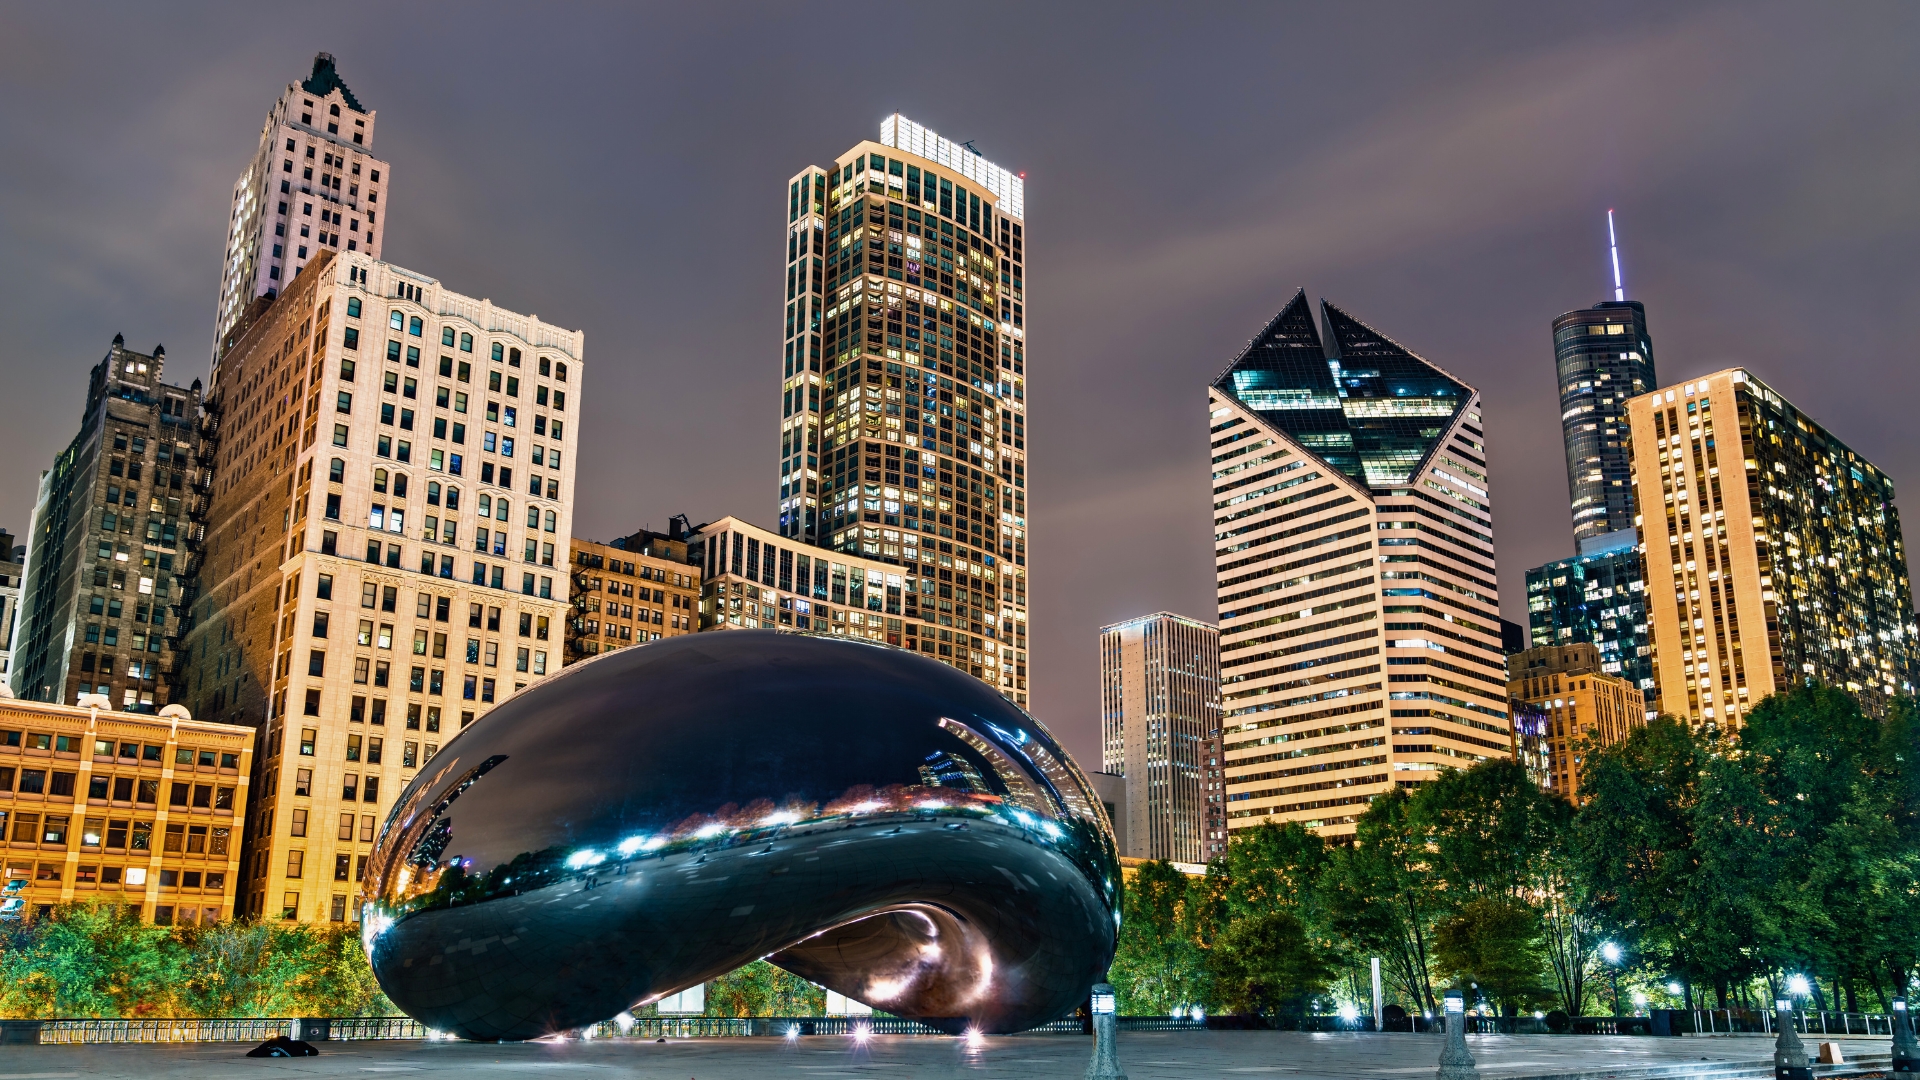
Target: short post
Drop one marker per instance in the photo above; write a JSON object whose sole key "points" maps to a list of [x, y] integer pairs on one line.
{"points": [[1377, 1016], [1455, 1062], [1106, 1028], [1789, 1056], [1906, 1050]]}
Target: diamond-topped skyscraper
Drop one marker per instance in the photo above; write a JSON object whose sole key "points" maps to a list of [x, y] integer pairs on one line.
{"points": [[313, 183], [1359, 616], [903, 400]]}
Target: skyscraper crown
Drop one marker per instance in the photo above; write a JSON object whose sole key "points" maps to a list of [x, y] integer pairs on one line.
{"points": [[325, 80], [1355, 398]]}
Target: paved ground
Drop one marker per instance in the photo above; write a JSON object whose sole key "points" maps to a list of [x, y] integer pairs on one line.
{"points": [[1144, 1056]]}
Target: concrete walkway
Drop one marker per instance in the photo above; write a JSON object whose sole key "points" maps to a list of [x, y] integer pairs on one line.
{"points": [[1144, 1056]]}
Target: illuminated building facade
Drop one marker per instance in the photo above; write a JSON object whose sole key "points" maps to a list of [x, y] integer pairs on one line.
{"points": [[139, 812], [1359, 617], [903, 400], [387, 550], [754, 578], [111, 540], [624, 597], [1596, 597], [1773, 553], [1603, 356], [1159, 705], [313, 185], [1581, 707]]}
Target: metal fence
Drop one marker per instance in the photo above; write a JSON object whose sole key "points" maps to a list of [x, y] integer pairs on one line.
{"points": [[359, 1028]]}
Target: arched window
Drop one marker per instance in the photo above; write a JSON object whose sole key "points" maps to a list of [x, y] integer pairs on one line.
{"points": [[513, 357], [336, 470], [446, 336], [499, 351], [499, 509], [486, 505], [399, 320], [399, 485], [550, 522], [533, 517], [380, 481], [414, 326], [560, 372], [546, 366], [433, 493], [453, 498], [353, 307], [466, 342]]}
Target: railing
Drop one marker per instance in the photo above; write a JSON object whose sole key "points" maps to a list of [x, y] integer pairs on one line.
{"points": [[364, 1028], [73, 1032]]}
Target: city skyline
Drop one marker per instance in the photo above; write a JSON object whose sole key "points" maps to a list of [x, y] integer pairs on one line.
{"points": [[81, 274]]}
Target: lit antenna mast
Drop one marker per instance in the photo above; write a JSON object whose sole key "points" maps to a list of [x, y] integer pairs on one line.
{"points": [[1613, 246]]}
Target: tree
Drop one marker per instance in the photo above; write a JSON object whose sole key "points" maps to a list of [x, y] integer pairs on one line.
{"points": [[88, 960], [761, 989], [1380, 895], [1494, 942], [1487, 829], [1158, 966], [1264, 962]]}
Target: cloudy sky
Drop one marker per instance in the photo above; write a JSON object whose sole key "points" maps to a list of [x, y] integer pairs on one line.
{"points": [[1442, 171]]}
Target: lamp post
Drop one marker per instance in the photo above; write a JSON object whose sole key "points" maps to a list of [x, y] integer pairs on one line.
{"points": [[1611, 953], [1789, 1056], [1906, 1052], [1106, 1059], [1455, 1062]]}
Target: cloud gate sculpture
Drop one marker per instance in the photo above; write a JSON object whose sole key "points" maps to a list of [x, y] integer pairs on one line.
{"points": [[862, 816]]}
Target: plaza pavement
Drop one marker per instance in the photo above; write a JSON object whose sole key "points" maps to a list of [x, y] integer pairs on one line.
{"points": [[1143, 1055]]}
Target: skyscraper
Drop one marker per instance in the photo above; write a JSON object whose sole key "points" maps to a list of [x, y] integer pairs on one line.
{"points": [[1353, 538], [312, 185], [386, 554], [1159, 703], [1603, 356], [111, 540], [1773, 553], [903, 401], [1595, 597]]}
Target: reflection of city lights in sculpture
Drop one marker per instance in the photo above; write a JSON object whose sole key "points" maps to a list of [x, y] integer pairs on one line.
{"points": [[870, 820]]}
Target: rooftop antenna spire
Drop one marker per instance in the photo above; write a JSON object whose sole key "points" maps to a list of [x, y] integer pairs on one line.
{"points": [[1613, 246]]}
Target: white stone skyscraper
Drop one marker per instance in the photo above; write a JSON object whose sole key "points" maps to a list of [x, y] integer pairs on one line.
{"points": [[1159, 715], [313, 183], [903, 434]]}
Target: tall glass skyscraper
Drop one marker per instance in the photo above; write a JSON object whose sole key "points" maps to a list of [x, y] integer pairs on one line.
{"points": [[1603, 356], [903, 432], [1360, 630]]}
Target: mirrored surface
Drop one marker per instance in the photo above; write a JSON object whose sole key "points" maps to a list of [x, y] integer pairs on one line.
{"points": [[879, 823]]}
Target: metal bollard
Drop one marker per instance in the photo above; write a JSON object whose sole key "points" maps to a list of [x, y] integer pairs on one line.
{"points": [[1906, 1050], [1455, 1062], [1106, 1056], [1789, 1056]]}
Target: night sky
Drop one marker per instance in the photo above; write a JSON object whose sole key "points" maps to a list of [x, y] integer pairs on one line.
{"points": [[1441, 171]]}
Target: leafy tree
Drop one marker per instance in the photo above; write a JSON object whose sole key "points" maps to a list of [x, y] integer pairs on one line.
{"points": [[1494, 942], [761, 989], [1158, 966], [1380, 896], [88, 960], [1264, 963], [1487, 829]]}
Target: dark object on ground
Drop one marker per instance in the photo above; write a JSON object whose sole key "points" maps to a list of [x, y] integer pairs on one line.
{"points": [[281, 1046], [1394, 1018], [1559, 1022], [869, 819]]}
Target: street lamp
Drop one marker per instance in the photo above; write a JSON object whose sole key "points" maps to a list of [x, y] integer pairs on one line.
{"points": [[1611, 954]]}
